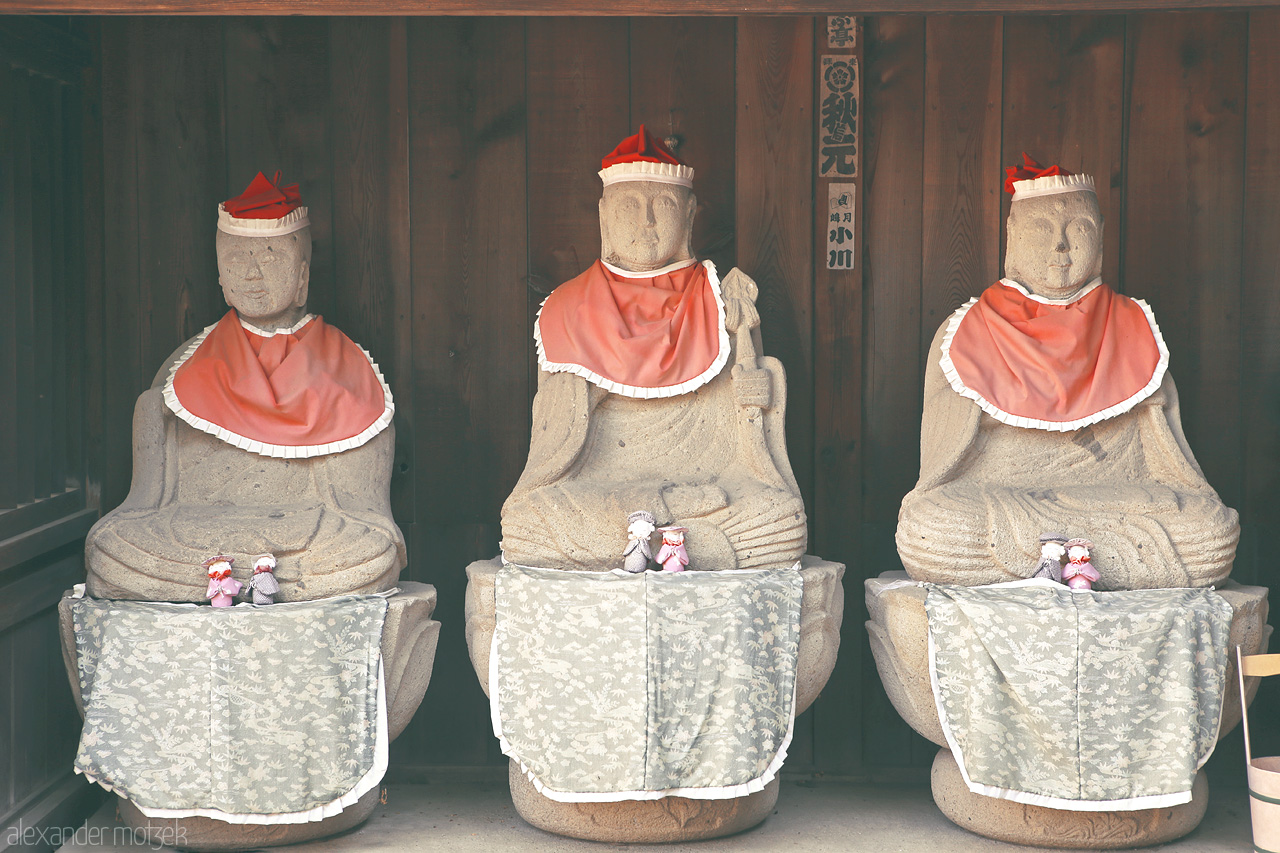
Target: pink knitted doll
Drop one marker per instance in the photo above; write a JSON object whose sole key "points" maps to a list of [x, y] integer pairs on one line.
{"points": [[222, 587], [672, 555], [1079, 573]]}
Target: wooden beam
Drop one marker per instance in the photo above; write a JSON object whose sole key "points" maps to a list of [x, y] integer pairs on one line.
{"points": [[618, 8]]}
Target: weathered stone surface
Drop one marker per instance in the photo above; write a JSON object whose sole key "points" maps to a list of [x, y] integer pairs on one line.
{"points": [[899, 630], [671, 818], [1019, 823], [1131, 484], [713, 460], [641, 822]]}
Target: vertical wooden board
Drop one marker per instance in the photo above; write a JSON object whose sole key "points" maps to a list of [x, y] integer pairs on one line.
{"points": [[470, 330], [8, 695], [962, 172], [372, 300], [90, 226], [774, 206], [774, 176], [82, 300], [10, 453], [893, 110], [1064, 103], [1260, 296], [578, 110], [1183, 201], [60, 310], [121, 350], [838, 372], [37, 409], [24, 265], [682, 85], [29, 706], [181, 178], [278, 117]]}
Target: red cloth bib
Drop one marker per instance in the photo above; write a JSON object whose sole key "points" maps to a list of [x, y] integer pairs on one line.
{"points": [[1052, 365], [656, 335], [294, 394]]}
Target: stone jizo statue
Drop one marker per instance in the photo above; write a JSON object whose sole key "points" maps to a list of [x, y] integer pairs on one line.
{"points": [[1048, 406], [652, 395], [269, 432]]}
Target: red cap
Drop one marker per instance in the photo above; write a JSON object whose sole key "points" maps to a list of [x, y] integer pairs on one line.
{"points": [[264, 199], [1029, 171], [644, 147]]}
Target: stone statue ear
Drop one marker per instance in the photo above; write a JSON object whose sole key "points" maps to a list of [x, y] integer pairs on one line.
{"points": [[606, 250], [691, 211], [304, 284]]}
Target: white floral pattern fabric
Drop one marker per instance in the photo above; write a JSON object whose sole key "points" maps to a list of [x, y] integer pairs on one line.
{"points": [[1089, 701], [231, 712], [617, 686]]}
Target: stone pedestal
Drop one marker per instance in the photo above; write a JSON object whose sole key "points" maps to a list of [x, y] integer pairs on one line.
{"points": [[899, 631], [409, 637], [671, 818]]}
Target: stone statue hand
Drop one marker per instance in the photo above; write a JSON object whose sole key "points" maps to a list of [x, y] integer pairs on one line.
{"points": [[752, 386], [693, 501]]}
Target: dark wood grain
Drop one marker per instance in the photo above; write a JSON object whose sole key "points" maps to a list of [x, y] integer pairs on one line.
{"points": [[24, 268], [836, 511], [1065, 105], [181, 176], [10, 452], [38, 410], [595, 7], [962, 173], [1183, 202], [894, 107], [86, 126], [471, 329], [682, 85], [1260, 302], [775, 175], [62, 311], [372, 298]]}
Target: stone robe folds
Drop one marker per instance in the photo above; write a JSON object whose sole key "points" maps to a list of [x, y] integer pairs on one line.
{"points": [[711, 459], [1128, 481]]}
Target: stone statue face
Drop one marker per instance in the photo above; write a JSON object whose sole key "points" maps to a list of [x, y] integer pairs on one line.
{"points": [[645, 225], [1055, 243], [265, 278]]}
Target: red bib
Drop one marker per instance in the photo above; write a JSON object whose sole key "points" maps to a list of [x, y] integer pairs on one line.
{"points": [[1055, 366], [292, 394], [640, 335]]}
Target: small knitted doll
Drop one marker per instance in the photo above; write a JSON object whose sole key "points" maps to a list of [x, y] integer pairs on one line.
{"points": [[222, 587], [672, 555], [263, 583], [640, 526], [1079, 573], [1052, 549]]}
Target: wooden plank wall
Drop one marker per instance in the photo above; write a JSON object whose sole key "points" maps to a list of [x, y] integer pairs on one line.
{"points": [[47, 501], [450, 169]]}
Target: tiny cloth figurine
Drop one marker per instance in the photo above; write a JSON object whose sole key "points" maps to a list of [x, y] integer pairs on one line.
{"points": [[1052, 549], [263, 582], [1079, 573], [672, 555], [640, 526], [222, 587]]}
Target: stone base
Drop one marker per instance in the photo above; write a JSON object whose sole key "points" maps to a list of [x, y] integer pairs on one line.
{"points": [[1018, 823], [641, 821], [207, 834]]}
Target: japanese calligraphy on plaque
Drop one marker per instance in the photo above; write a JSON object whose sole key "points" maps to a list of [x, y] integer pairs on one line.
{"points": [[841, 32], [841, 247], [838, 117]]}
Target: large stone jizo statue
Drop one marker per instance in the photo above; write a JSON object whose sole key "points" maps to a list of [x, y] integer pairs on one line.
{"points": [[1048, 406]]}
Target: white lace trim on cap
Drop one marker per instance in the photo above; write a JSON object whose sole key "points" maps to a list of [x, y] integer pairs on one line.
{"points": [[639, 391], [1051, 185], [294, 220], [957, 384], [643, 170], [262, 448]]}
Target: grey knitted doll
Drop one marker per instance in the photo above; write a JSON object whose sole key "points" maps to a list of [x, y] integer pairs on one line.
{"points": [[1052, 549], [263, 583], [640, 526]]}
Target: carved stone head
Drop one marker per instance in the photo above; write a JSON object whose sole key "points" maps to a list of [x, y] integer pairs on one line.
{"points": [[645, 225], [1055, 243], [266, 278]]}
